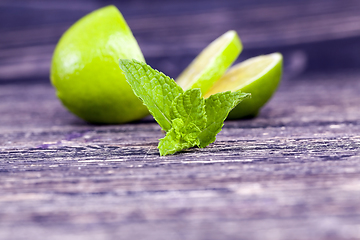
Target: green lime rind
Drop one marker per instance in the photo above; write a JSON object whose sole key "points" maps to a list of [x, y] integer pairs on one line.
{"points": [[211, 63], [261, 89], [85, 71]]}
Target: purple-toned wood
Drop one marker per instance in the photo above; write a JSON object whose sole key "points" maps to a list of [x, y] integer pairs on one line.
{"points": [[314, 35], [291, 173]]}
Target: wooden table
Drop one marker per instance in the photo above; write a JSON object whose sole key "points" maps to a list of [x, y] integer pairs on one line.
{"points": [[291, 173]]}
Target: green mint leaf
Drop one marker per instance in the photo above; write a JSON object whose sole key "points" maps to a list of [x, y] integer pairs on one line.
{"points": [[188, 119], [217, 108], [188, 112], [190, 107], [179, 137], [155, 89]]}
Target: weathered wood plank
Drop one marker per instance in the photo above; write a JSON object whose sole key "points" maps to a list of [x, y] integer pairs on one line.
{"points": [[172, 33], [291, 173]]}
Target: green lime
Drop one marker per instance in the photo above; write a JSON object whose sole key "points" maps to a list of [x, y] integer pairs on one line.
{"points": [[85, 69], [211, 63], [259, 76]]}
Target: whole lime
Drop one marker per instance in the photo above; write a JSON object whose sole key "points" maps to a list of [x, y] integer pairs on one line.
{"points": [[85, 71]]}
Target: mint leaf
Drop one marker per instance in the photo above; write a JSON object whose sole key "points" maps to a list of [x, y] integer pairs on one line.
{"points": [[188, 119], [188, 112], [155, 89], [218, 107], [179, 137], [190, 107]]}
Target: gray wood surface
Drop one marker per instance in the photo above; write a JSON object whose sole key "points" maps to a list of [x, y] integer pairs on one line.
{"points": [[314, 35], [291, 173]]}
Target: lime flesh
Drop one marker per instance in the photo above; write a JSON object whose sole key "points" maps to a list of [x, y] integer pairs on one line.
{"points": [[259, 76], [85, 69], [211, 63]]}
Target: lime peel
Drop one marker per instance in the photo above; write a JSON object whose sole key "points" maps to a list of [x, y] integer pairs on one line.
{"points": [[259, 76], [85, 69], [211, 63]]}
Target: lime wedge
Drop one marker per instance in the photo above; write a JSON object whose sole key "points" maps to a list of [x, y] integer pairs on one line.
{"points": [[259, 76], [85, 71], [211, 63]]}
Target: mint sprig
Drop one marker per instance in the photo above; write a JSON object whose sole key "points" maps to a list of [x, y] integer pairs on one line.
{"points": [[187, 118]]}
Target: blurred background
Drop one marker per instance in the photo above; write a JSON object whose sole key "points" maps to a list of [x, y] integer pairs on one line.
{"points": [[313, 35]]}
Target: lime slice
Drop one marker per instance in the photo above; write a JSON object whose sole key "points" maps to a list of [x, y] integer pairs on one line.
{"points": [[85, 69], [259, 76], [211, 63]]}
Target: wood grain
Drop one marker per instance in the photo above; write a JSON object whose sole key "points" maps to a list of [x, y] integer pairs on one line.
{"points": [[171, 33], [291, 173]]}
